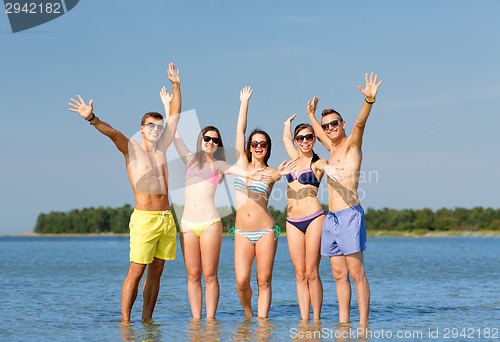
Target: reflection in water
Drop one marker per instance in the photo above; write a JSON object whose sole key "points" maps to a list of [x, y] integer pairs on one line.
{"points": [[208, 330], [307, 331], [315, 331], [147, 331], [264, 329], [254, 329], [347, 332], [243, 331]]}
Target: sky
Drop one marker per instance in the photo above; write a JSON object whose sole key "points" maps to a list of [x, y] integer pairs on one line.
{"points": [[430, 141]]}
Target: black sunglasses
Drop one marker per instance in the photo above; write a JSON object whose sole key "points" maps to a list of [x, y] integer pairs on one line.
{"points": [[333, 123], [151, 126], [207, 138], [308, 137], [262, 144]]}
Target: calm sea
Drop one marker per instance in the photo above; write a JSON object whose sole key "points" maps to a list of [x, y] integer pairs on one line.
{"points": [[68, 289]]}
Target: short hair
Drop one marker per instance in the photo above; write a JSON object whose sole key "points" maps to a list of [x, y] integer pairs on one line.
{"points": [[329, 111], [154, 115], [249, 142]]}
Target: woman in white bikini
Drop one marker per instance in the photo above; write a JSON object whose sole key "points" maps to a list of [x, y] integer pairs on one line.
{"points": [[201, 227], [255, 232]]}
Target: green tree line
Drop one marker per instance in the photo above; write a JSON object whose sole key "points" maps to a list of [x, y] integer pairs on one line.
{"points": [[115, 220]]}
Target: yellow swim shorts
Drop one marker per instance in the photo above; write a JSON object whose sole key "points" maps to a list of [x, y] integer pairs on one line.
{"points": [[152, 235]]}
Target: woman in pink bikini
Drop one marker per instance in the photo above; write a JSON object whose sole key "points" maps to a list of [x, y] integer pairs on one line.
{"points": [[201, 228], [255, 232]]}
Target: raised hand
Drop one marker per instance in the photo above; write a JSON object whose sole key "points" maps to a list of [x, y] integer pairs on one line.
{"points": [[371, 87], [80, 107], [256, 174], [246, 94], [173, 74], [312, 105], [332, 172], [166, 98], [290, 119], [286, 167]]}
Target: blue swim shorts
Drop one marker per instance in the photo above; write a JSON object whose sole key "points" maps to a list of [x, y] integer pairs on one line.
{"points": [[344, 232]]}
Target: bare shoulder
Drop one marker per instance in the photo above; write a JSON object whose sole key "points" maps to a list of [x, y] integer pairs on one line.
{"points": [[221, 165], [350, 143], [320, 165]]}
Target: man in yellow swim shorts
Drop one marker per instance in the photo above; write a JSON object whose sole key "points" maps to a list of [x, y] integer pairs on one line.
{"points": [[152, 228]]}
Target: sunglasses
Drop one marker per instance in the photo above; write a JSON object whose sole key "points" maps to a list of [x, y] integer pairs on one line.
{"points": [[207, 138], [151, 126], [308, 137], [333, 123], [262, 144]]}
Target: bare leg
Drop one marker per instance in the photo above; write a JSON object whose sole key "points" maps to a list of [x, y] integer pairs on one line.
{"points": [[357, 272], [151, 288], [130, 289], [190, 245], [297, 249], [210, 243], [341, 276], [265, 251], [244, 253], [313, 258]]}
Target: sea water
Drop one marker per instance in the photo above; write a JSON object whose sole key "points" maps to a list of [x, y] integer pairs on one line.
{"points": [[422, 289]]}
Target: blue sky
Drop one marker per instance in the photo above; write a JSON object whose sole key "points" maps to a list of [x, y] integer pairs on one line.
{"points": [[431, 139]]}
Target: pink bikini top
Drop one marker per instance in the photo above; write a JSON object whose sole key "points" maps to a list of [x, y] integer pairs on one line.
{"points": [[206, 173]]}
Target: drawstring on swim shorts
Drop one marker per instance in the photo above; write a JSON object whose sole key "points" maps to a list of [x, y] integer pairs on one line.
{"points": [[164, 215]]}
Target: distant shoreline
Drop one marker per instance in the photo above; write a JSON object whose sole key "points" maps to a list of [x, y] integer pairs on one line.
{"points": [[371, 233]]}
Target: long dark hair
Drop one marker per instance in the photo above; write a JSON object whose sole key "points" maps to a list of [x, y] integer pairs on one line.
{"points": [[249, 141], [200, 156], [299, 128]]}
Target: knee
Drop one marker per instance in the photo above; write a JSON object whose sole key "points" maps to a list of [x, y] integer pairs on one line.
{"points": [[312, 275], [135, 274], [210, 278], [242, 283], [194, 276], [357, 275], [264, 282], [156, 268], [300, 276], [340, 275]]}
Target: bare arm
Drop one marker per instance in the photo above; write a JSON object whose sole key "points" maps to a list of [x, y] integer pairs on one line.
{"points": [[320, 165], [311, 110], [370, 92], [237, 170], [288, 139], [183, 151], [174, 108], [241, 126], [166, 99], [86, 111], [284, 168]]}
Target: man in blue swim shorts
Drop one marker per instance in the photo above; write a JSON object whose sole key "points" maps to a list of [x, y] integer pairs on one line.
{"points": [[343, 238], [152, 228]]}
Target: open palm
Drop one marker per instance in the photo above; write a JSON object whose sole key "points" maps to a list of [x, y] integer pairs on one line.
{"points": [[79, 106], [371, 87]]}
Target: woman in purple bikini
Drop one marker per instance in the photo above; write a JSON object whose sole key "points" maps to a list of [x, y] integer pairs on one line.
{"points": [[305, 214]]}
